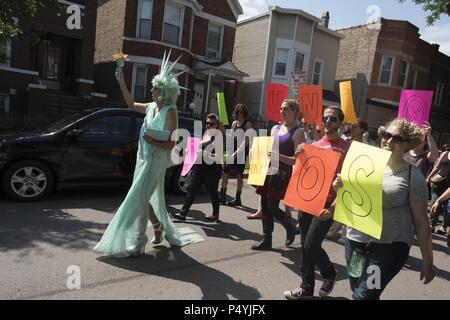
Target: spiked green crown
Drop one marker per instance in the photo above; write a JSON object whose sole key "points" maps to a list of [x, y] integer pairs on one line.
{"points": [[166, 82]]}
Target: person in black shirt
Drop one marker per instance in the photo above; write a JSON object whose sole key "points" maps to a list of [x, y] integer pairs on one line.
{"points": [[235, 164], [208, 172]]}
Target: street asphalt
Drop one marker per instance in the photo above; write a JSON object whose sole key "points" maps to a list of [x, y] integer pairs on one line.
{"points": [[42, 243]]}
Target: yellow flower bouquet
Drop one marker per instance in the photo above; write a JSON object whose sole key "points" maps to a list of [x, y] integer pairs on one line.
{"points": [[120, 58]]}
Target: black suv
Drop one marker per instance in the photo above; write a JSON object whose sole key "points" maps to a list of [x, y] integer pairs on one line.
{"points": [[93, 147]]}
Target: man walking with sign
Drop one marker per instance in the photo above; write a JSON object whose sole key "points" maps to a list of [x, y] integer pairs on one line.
{"points": [[312, 229]]}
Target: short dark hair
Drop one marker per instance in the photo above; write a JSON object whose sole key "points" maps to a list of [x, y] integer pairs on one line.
{"points": [[340, 113]]}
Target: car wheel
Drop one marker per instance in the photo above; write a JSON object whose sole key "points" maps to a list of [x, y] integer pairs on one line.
{"points": [[179, 184], [28, 181]]}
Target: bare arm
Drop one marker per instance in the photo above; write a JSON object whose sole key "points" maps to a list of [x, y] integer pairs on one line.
{"points": [[433, 154], [439, 201], [436, 167], [138, 107], [423, 233]]}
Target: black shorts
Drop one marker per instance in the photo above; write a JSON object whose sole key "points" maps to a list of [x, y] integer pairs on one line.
{"points": [[234, 169]]}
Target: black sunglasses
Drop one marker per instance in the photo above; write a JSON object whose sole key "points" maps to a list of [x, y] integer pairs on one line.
{"points": [[329, 118], [211, 123], [396, 139]]}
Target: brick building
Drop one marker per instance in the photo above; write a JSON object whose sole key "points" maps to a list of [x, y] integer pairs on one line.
{"points": [[56, 72], [383, 61], [202, 31]]}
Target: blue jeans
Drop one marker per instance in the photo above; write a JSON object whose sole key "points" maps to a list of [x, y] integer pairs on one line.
{"points": [[390, 259]]}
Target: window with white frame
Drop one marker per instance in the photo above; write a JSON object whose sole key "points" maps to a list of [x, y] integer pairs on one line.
{"points": [[317, 72], [173, 19], [139, 82], [403, 73], [214, 44], [387, 65], [439, 93], [299, 60], [412, 80], [4, 103], [145, 19], [5, 53], [281, 62]]}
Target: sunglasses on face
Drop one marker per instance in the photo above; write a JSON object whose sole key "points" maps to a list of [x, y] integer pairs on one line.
{"points": [[211, 123], [239, 111], [396, 139], [329, 118]]}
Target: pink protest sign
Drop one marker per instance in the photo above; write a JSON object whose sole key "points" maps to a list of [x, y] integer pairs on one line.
{"points": [[415, 105], [191, 154]]}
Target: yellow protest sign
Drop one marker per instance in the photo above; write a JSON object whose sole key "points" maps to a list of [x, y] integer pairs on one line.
{"points": [[359, 201], [259, 160], [348, 107], [223, 115]]}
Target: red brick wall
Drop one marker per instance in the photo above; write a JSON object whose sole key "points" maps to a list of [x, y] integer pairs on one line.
{"points": [[158, 19], [403, 37], [131, 19], [155, 50], [19, 82], [186, 28], [218, 8], [228, 43], [200, 36]]}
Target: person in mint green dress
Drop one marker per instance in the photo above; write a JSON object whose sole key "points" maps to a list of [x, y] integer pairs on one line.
{"points": [[126, 234]]}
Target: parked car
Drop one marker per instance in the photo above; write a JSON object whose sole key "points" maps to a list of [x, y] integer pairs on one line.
{"points": [[93, 147]]}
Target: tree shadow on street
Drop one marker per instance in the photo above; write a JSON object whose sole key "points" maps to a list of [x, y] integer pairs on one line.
{"points": [[415, 264], [26, 227], [27, 231], [219, 229], [173, 263]]}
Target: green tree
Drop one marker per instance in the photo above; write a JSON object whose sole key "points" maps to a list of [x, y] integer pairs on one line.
{"points": [[435, 8], [25, 11]]}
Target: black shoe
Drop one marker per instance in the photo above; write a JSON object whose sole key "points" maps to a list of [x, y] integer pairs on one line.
{"points": [[265, 244], [327, 286], [178, 216], [234, 203], [212, 218], [290, 237]]}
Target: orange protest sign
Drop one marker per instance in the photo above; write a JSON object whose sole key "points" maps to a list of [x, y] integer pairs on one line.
{"points": [[275, 94], [311, 98], [348, 107], [311, 180]]}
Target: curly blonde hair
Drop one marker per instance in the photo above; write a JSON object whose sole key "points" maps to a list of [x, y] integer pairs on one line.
{"points": [[410, 131]]}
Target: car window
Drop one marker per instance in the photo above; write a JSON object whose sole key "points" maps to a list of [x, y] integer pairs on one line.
{"points": [[60, 124], [107, 127]]}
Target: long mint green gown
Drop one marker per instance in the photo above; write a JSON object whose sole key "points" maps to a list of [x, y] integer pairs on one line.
{"points": [[126, 234]]}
